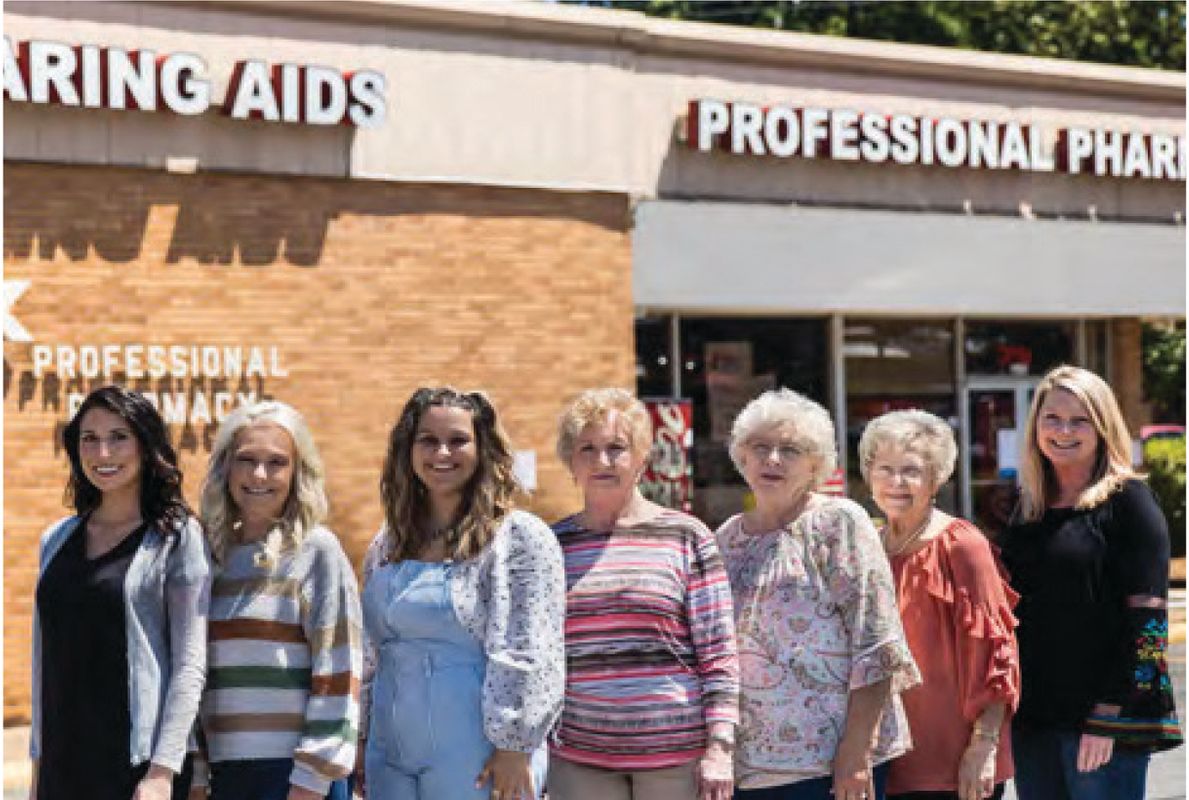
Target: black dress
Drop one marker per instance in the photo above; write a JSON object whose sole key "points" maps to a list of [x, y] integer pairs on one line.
{"points": [[1083, 641], [86, 723]]}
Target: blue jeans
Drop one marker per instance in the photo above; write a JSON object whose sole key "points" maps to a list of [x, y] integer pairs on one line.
{"points": [[260, 779], [1047, 769], [813, 789]]}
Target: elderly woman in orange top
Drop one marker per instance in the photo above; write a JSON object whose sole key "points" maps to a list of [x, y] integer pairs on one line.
{"points": [[957, 612]]}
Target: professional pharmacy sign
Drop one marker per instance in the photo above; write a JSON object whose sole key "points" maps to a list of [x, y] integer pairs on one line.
{"points": [[91, 76], [846, 135]]}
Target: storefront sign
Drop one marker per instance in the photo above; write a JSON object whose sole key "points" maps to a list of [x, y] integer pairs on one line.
{"points": [[90, 76], [847, 135]]}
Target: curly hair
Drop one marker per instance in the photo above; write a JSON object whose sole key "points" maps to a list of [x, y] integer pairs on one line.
{"points": [[161, 501], [487, 497], [814, 429], [595, 406], [913, 430], [306, 506]]}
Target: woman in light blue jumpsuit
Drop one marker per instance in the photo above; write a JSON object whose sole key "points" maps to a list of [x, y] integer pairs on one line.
{"points": [[464, 603]]}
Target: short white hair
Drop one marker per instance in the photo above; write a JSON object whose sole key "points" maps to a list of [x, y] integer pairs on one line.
{"points": [[915, 431], [814, 429]]}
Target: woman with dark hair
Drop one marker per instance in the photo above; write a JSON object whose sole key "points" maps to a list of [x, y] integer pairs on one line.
{"points": [[119, 624], [463, 605]]}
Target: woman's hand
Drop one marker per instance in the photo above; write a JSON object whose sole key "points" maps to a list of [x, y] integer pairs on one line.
{"points": [[510, 775], [1094, 752], [716, 773], [301, 793], [852, 776], [157, 784], [976, 771]]}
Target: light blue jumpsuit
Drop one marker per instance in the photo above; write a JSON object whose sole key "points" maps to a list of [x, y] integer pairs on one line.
{"points": [[426, 739]]}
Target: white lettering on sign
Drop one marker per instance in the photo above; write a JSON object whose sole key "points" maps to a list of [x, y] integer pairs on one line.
{"points": [[847, 135], [136, 361], [90, 76], [181, 408]]}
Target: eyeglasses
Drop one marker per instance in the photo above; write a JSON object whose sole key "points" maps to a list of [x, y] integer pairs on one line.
{"points": [[764, 450], [910, 474]]}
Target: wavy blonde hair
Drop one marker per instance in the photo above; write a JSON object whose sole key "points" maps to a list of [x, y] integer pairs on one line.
{"points": [[487, 497], [306, 506], [1112, 463], [596, 406]]}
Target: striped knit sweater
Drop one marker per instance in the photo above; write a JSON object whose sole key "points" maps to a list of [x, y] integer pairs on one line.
{"points": [[285, 660], [650, 644]]}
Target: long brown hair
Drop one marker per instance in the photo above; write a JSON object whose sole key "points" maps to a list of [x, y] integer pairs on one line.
{"points": [[487, 497]]}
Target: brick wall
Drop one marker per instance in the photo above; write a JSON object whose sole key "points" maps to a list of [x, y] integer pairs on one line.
{"points": [[367, 290]]}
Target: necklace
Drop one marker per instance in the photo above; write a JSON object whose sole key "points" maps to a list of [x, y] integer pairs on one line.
{"points": [[907, 543]]}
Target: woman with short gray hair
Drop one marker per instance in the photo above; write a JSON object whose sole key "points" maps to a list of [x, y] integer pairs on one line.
{"points": [[823, 657], [957, 612]]}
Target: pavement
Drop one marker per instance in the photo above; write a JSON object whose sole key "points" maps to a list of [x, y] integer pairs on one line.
{"points": [[1166, 776]]}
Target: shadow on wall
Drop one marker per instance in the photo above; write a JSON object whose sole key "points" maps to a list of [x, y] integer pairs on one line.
{"points": [[104, 212]]}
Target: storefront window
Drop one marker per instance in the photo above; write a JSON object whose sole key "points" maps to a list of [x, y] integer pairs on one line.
{"points": [[893, 365], [654, 372], [1017, 348], [726, 363]]}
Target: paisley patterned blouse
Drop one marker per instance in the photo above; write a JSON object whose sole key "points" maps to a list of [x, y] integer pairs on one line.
{"points": [[816, 618]]}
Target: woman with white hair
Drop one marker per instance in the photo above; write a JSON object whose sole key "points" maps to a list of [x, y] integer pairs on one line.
{"points": [[822, 654], [281, 708], [956, 608], [1088, 552]]}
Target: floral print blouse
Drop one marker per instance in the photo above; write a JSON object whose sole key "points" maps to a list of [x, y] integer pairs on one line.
{"points": [[816, 618]]}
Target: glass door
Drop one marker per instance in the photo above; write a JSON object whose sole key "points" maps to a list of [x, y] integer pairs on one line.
{"points": [[993, 437]]}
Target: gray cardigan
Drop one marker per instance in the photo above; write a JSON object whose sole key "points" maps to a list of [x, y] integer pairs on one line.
{"points": [[166, 599], [512, 599]]}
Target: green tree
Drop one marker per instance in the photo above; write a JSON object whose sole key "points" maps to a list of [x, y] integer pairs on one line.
{"points": [[1130, 33], [1164, 371]]}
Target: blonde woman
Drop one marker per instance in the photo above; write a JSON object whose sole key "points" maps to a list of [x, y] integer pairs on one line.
{"points": [[957, 612], [823, 654], [463, 601], [281, 708], [652, 678], [1088, 553]]}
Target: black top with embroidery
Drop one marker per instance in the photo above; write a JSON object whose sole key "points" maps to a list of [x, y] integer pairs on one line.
{"points": [[1081, 642]]}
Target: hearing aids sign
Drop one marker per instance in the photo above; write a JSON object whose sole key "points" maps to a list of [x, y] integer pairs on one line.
{"points": [[90, 76]]}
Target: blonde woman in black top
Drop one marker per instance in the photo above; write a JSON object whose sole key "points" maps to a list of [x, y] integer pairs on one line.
{"points": [[1088, 552]]}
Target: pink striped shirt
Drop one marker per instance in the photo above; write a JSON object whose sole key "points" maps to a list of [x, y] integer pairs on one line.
{"points": [[650, 644]]}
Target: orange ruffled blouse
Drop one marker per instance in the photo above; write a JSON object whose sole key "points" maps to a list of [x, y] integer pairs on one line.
{"points": [[956, 606]]}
